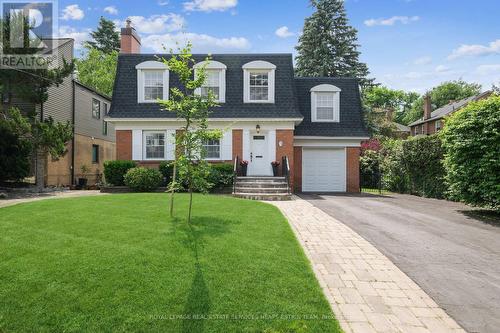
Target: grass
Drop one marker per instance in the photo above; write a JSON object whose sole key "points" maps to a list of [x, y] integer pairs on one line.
{"points": [[118, 263], [375, 191]]}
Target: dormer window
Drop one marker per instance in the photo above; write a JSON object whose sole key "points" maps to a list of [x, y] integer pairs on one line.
{"points": [[258, 84], [325, 103], [152, 81], [215, 81]]}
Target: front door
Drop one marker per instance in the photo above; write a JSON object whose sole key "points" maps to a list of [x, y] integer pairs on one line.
{"points": [[259, 159]]}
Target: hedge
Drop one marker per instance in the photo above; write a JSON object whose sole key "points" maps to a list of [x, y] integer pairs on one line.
{"points": [[114, 171], [143, 179]]}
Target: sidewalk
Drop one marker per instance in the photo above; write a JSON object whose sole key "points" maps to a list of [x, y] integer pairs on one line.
{"points": [[366, 291], [52, 195]]}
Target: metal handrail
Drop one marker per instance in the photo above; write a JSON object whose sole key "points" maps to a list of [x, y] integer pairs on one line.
{"points": [[235, 172], [285, 165]]}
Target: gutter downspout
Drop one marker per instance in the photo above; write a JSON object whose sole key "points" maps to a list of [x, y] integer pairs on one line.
{"points": [[73, 137]]}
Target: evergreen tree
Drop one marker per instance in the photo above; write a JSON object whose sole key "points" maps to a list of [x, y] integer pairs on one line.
{"points": [[106, 38], [328, 45]]}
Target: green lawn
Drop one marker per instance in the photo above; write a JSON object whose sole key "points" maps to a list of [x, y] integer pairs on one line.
{"points": [[118, 263]]}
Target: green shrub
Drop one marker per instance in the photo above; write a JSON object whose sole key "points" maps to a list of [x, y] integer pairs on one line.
{"points": [[167, 171], [114, 171], [395, 177], [142, 179], [370, 171], [221, 175], [471, 139]]}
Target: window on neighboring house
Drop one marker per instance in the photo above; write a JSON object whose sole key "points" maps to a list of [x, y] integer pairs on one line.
{"points": [[95, 153], [104, 127], [154, 145], [258, 82], [96, 108], [105, 109], [325, 103], [212, 149], [153, 85], [437, 125]]}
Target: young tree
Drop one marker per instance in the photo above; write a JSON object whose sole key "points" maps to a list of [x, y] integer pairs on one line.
{"points": [[31, 85], [106, 38], [194, 109], [328, 44], [97, 69]]}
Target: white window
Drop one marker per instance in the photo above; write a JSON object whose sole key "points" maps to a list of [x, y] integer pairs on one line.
{"points": [[325, 103], [212, 149], [154, 145], [258, 84], [437, 125], [152, 81], [215, 79]]}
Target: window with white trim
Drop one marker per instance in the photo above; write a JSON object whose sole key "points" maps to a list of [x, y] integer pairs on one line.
{"points": [[212, 149], [325, 103], [437, 125], [212, 83], [152, 81], [258, 84], [154, 145], [215, 81]]}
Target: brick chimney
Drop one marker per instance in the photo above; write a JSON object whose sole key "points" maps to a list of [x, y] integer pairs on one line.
{"points": [[427, 106], [130, 40]]}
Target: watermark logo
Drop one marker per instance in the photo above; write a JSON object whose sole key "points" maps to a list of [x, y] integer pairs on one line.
{"points": [[27, 34]]}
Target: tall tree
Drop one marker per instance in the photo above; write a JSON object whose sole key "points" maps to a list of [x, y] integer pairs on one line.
{"points": [[328, 44], [106, 38], [97, 69]]}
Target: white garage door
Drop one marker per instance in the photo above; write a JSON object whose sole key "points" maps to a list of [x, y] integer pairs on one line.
{"points": [[323, 170]]}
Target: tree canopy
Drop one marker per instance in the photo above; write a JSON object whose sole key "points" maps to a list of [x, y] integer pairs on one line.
{"points": [[97, 69], [328, 44], [105, 38]]}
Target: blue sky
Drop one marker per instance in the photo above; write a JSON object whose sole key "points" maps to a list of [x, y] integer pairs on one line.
{"points": [[407, 44]]}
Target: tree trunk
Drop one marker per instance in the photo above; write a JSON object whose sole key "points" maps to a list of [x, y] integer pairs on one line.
{"points": [[190, 203], [172, 191], [40, 169]]}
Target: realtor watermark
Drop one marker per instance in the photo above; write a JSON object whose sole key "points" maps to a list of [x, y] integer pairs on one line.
{"points": [[27, 34]]}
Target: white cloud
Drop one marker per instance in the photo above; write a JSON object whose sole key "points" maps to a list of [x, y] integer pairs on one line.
{"points": [[162, 3], [111, 10], [80, 36], [283, 32], [442, 69], [156, 23], [72, 12], [210, 5], [201, 43], [423, 60], [391, 20], [474, 50], [488, 69]]}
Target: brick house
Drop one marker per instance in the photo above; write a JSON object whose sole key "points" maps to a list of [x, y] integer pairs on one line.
{"points": [[93, 139], [432, 121], [266, 113]]}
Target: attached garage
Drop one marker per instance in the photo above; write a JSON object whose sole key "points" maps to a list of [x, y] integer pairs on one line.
{"points": [[324, 169]]}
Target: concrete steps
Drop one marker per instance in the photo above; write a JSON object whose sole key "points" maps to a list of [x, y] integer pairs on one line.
{"points": [[262, 188]]}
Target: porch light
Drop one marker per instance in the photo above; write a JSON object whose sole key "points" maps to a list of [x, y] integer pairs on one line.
{"points": [[257, 128]]}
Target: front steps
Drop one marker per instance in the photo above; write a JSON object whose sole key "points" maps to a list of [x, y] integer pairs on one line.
{"points": [[262, 188]]}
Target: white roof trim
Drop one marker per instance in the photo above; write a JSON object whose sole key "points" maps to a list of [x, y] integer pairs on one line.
{"points": [[110, 119], [303, 137], [210, 64], [151, 65], [259, 64], [325, 88]]}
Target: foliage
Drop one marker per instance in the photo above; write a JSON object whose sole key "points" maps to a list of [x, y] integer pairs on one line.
{"points": [[394, 176], [50, 137], [372, 144], [193, 109], [15, 148], [221, 175], [97, 69], [328, 45], [106, 37], [128, 240], [370, 169], [442, 95], [471, 139], [143, 179], [114, 171], [166, 168]]}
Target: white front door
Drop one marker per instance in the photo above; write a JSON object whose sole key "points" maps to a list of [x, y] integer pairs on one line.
{"points": [[259, 156]]}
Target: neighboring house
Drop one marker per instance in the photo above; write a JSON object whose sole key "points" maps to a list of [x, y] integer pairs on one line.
{"points": [[432, 121], [93, 139], [401, 130], [265, 113]]}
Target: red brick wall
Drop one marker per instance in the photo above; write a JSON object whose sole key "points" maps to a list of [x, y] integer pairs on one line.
{"points": [[237, 143], [285, 136], [124, 145], [352, 173], [297, 176]]}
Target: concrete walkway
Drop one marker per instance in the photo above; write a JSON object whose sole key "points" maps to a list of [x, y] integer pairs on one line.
{"points": [[52, 195], [367, 292]]}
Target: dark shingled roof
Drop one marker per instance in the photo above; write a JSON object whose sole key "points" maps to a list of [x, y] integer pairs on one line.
{"points": [[351, 113], [125, 92]]}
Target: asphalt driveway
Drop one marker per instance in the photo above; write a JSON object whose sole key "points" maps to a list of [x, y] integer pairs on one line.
{"points": [[443, 246]]}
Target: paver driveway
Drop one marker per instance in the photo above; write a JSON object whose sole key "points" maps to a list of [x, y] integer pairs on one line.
{"points": [[453, 257]]}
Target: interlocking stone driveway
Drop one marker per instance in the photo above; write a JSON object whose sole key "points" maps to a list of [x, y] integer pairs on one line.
{"points": [[367, 292]]}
